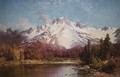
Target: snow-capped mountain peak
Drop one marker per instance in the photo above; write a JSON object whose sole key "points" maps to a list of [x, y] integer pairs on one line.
{"points": [[66, 33]]}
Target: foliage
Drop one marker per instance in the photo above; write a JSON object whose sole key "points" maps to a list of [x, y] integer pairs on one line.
{"points": [[10, 41], [97, 63], [86, 55], [109, 67], [15, 54], [96, 55]]}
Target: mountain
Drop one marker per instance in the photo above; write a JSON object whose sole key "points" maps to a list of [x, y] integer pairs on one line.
{"points": [[117, 35], [63, 32]]}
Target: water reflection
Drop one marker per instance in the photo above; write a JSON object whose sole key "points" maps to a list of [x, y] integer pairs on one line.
{"points": [[39, 71]]}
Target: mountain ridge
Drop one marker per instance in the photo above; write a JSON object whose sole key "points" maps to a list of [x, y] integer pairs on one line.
{"points": [[66, 33]]}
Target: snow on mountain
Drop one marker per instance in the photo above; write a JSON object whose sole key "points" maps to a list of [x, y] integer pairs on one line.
{"points": [[100, 33], [117, 35], [66, 33]]}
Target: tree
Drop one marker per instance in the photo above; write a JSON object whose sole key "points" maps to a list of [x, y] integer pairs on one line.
{"points": [[107, 45], [10, 41], [101, 51], [86, 55]]}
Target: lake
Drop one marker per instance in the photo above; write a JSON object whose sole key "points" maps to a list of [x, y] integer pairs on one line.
{"points": [[39, 71], [46, 70]]}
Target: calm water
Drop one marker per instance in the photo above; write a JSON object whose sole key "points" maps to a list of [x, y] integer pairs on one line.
{"points": [[46, 71], [39, 71]]}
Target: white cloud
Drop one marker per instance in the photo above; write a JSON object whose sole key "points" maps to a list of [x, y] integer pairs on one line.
{"points": [[42, 16], [45, 18], [24, 24]]}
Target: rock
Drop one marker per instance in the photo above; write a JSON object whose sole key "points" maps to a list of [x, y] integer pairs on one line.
{"points": [[86, 67]]}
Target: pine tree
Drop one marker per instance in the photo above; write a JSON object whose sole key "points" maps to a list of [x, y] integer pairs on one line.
{"points": [[87, 53], [107, 45], [101, 51]]}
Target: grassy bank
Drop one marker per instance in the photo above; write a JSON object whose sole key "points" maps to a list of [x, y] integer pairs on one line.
{"points": [[50, 61]]}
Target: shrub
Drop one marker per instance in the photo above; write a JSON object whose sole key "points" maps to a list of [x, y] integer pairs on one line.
{"points": [[97, 63], [109, 67]]}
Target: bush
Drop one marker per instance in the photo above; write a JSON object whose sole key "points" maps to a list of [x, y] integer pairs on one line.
{"points": [[97, 63], [109, 67]]}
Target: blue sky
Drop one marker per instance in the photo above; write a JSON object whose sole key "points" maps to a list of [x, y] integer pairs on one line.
{"points": [[96, 13]]}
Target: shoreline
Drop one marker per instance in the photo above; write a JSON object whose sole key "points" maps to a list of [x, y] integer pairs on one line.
{"points": [[37, 62], [49, 63]]}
